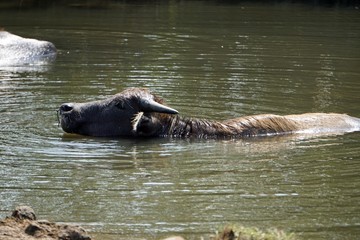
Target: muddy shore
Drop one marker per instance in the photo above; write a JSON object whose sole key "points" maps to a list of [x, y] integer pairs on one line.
{"points": [[23, 224]]}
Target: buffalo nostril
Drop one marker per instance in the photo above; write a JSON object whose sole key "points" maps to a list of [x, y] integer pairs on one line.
{"points": [[66, 107]]}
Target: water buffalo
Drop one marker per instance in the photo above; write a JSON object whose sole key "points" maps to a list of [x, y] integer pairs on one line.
{"points": [[136, 112], [16, 50]]}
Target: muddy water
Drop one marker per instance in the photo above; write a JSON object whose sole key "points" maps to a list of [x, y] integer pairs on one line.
{"points": [[206, 60]]}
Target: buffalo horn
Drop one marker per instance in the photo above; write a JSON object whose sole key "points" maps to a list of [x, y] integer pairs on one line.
{"points": [[152, 106]]}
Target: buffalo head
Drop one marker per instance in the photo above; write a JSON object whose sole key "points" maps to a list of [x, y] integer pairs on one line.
{"points": [[129, 113]]}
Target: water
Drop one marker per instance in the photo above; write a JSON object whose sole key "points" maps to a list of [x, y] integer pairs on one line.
{"points": [[207, 60]]}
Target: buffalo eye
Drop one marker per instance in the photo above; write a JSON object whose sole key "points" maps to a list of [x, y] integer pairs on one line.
{"points": [[120, 105]]}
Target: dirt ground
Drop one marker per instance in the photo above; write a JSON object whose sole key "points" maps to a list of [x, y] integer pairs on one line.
{"points": [[22, 224]]}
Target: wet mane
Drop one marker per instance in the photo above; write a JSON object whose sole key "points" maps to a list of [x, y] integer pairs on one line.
{"points": [[239, 127], [263, 124]]}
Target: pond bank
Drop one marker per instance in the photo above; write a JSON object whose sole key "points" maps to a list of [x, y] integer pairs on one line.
{"points": [[23, 224]]}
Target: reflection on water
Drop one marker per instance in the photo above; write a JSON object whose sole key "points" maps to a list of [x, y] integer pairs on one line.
{"points": [[213, 61], [8, 71]]}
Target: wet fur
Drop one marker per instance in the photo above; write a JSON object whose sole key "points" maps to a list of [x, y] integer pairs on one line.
{"points": [[176, 126]]}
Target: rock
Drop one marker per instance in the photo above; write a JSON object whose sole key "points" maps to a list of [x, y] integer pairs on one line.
{"points": [[24, 212], [23, 225]]}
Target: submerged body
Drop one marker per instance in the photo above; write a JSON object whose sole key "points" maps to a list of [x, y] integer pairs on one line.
{"points": [[136, 112], [16, 50]]}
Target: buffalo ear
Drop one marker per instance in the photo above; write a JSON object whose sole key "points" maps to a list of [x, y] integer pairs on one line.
{"points": [[152, 106], [144, 125], [136, 121]]}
